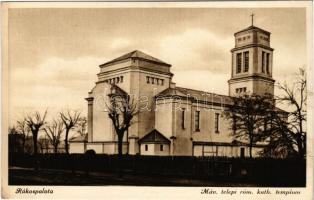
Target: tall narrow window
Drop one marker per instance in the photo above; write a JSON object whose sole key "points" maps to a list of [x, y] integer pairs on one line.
{"points": [[162, 81], [161, 147], [239, 62], [147, 79], [183, 118], [146, 147], [197, 121], [121, 79], [267, 63], [216, 122], [263, 62], [246, 61]]}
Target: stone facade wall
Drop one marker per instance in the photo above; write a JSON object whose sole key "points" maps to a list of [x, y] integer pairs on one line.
{"points": [[76, 147]]}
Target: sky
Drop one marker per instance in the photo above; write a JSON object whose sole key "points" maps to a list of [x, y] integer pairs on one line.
{"points": [[54, 54]]}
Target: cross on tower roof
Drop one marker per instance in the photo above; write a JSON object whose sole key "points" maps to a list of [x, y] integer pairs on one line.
{"points": [[252, 15]]}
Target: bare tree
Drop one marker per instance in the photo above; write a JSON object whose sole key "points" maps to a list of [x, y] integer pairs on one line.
{"points": [[24, 130], [35, 123], [44, 144], [54, 131], [295, 98], [121, 114], [14, 140], [70, 120], [12, 130], [121, 111], [280, 142], [81, 126], [248, 116]]}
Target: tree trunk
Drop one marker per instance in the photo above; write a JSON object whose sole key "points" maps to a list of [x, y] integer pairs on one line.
{"points": [[66, 141], [35, 150], [55, 149], [300, 140], [120, 142], [251, 145], [23, 145], [304, 147], [300, 147], [35, 143]]}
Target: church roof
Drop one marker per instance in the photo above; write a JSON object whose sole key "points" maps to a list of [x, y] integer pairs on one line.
{"points": [[154, 137], [196, 95], [201, 96], [253, 28], [136, 54], [172, 92]]}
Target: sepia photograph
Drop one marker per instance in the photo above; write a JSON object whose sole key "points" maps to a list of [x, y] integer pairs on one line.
{"points": [[199, 97]]}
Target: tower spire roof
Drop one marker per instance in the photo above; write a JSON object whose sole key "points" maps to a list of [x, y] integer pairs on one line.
{"points": [[252, 27]]}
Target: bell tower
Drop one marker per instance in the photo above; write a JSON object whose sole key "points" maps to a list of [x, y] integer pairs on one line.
{"points": [[252, 57]]}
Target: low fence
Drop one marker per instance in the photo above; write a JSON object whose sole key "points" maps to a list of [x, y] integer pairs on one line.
{"points": [[262, 171]]}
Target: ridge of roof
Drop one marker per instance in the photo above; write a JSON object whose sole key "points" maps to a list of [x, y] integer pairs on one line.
{"points": [[164, 92], [136, 54], [194, 94], [202, 91], [154, 136], [170, 91], [252, 28]]}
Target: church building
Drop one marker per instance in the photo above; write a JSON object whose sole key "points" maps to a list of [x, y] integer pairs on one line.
{"points": [[176, 120]]}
